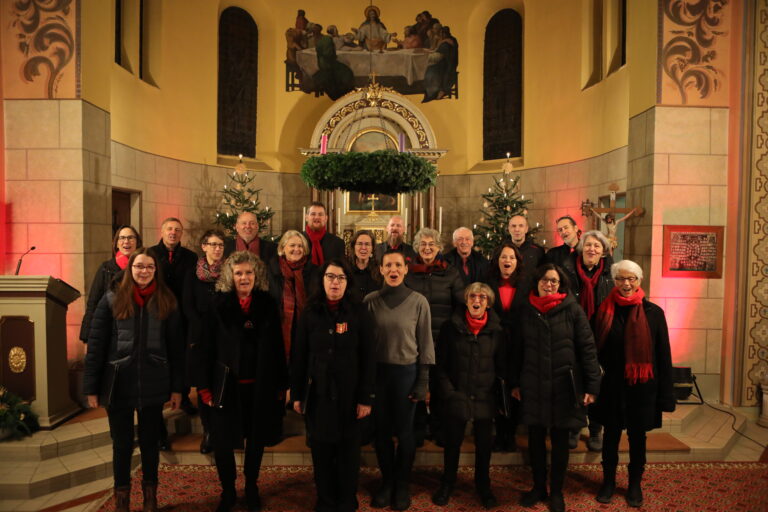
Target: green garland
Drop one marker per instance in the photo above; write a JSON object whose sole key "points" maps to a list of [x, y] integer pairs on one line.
{"points": [[16, 416], [377, 172]]}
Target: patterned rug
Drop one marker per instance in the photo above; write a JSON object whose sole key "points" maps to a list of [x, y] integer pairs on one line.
{"points": [[701, 487]]}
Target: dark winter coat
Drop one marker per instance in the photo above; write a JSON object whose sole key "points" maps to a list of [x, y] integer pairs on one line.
{"points": [[522, 287], [199, 297], [363, 281], [532, 256], [478, 266], [557, 362], [561, 256], [235, 345], [604, 284], [406, 249], [333, 246], [468, 366], [444, 290], [638, 406], [175, 273], [135, 362], [267, 249], [108, 273], [333, 371]]}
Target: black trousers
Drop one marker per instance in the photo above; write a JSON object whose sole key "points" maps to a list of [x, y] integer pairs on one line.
{"points": [[121, 431], [611, 439], [394, 415], [454, 436], [224, 424], [336, 468], [537, 452]]}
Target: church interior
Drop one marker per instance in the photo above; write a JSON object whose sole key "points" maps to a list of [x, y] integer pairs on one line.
{"points": [[133, 111]]}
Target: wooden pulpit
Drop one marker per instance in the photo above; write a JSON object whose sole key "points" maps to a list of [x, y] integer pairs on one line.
{"points": [[33, 344]]}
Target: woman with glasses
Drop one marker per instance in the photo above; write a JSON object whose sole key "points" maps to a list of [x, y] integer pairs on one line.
{"points": [[471, 355], [124, 243], [241, 373], [633, 348], [199, 292], [555, 376], [333, 369], [134, 364], [365, 273]]}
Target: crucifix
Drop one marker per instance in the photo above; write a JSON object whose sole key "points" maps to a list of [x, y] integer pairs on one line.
{"points": [[373, 198], [589, 209]]}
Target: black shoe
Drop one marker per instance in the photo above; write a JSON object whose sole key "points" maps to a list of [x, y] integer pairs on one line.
{"points": [[573, 439], [205, 444], [227, 501], [556, 503], [595, 440], [401, 499], [634, 494], [252, 498], [499, 445], [606, 491], [532, 497], [443, 495], [164, 444], [383, 496], [487, 499], [188, 408]]}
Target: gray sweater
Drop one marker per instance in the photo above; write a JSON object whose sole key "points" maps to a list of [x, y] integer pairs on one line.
{"points": [[403, 334]]}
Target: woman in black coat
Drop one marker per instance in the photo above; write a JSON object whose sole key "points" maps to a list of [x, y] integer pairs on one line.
{"points": [[633, 348], [365, 277], [333, 368], [134, 364], [241, 373], [511, 291], [199, 292], [556, 377], [124, 243], [471, 356]]}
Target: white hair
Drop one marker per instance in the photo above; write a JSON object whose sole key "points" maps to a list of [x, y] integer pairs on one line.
{"points": [[429, 233], [628, 266], [600, 238], [456, 232]]}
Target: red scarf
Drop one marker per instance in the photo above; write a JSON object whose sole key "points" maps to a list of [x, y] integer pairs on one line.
{"points": [[252, 246], [142, 295], [121, 260], [638, 359], [475, 325], [547, 302], [422, 268], [506, 294], [588, 284], [294, 296], [208, 273], [245, 304], [317, 249], [333, 305]]}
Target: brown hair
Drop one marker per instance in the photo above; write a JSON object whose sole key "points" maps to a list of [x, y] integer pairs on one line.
{"points": [[162, 302], [139, 243]]}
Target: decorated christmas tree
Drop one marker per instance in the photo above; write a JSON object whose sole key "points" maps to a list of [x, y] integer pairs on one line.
{"points": [[240, 195], [501, 203]]}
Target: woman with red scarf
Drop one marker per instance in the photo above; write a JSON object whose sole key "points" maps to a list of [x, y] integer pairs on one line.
{"points": [[242, 374], [290, 276], [633, 348], [471, 355], [555, 375], [134, 364], [124, 243]]}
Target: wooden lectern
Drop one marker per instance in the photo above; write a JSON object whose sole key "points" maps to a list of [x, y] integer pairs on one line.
{"points": [[33, 344]]}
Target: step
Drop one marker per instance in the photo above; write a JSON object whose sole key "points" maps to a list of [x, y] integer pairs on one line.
{"points": [[65, 440]]}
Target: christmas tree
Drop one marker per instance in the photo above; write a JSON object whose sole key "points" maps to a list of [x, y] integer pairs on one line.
{"points": [[501, 203], [238, 196]]}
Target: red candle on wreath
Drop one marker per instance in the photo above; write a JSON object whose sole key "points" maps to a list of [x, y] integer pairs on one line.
{"points": [[324, 144]]}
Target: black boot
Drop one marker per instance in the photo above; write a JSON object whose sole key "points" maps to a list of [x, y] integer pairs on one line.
{"points": [[443, 495], [205, 443], [252, 498], [573, 439], [556, 502], [383, 496], [123, 498], [149, 489], [487, 499], [228, 499], [634, 492], [595, 441], [609, 484], [401, 499], [539, 491]]}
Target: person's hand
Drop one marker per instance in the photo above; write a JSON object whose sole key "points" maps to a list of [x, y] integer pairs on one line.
{"points": [[589, 398], [93, 401], [363, 411], [175, 401], [297, 407], [516, 394]]}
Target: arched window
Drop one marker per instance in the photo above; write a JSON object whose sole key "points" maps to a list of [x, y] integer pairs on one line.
{"points": [[503, 86], [238, 73]]}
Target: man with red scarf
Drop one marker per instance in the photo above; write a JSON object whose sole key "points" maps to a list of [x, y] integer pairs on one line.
{"points": [[322, 245], [247, 239]]}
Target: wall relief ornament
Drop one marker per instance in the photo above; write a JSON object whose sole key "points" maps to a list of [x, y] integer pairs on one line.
{"points": [[17, 359], [693, 52], [46, 40]]}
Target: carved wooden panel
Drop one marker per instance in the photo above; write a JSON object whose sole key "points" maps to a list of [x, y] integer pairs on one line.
{"points": [[17, 356]]}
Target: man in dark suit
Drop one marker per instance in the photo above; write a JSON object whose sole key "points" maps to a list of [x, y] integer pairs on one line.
{"points": [[472, 265], [322, 245], [532, 253], [395, 240], [563, 255], [247, 239]]}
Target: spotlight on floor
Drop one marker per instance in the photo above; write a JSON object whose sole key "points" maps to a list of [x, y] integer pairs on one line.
{"points": [[683, 381]]}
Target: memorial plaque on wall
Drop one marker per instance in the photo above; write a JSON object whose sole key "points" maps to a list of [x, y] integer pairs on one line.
{"points": [[693, 251], [17, 349]]}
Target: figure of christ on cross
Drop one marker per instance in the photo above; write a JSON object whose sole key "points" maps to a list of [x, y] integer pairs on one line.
{"points": [[611, 223]]}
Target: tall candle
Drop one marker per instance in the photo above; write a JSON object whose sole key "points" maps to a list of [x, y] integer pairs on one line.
{"points": [[324, 144], [401, 143], [440, 220], [405, 223], [338, 220], [421, 217], [304, 215]]}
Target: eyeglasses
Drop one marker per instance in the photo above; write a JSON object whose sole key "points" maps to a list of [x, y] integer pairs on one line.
{"points": [[630, 279], [363, 244], [336, 277], [427, 244], [215, 245], [126, 238], [465, 239], [142, 268], [478, 296], [545, 280]]}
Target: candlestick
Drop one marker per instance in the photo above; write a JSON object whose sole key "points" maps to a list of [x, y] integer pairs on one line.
{"points": [[401, 143], [405, 223], [440, 220], [324, 144], [304, 215], [421, 217], [338, 221]]}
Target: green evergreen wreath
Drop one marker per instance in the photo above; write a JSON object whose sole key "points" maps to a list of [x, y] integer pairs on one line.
{"points": [[16, 416], [377, 172]]}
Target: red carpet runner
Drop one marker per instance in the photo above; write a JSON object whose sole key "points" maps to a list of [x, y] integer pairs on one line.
{"points": [[701, 487]]}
